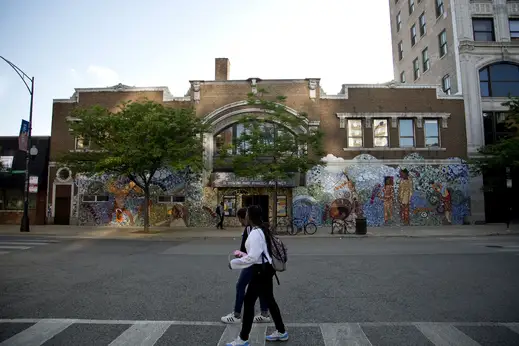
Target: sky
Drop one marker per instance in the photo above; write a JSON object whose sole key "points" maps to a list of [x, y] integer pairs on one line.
{"points": [[69, 44]]}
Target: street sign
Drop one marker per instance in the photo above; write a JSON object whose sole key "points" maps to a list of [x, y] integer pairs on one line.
{"points": [[33, 184], [23, 138]]}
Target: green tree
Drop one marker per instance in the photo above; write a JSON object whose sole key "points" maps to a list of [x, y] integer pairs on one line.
{"points": [[274, 145], [505, 152], [135, 142]]}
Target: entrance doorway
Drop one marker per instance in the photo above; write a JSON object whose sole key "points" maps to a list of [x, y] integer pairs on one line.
{"points": [[62, 211], [261, 200]]}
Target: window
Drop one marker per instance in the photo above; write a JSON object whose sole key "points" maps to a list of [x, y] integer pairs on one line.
{"points": [[355, 133], [398, 22], [514, 28], [443, 43], [432, 133], [95, 198], [13, 199], [416, 69], [406, 131], [495, 127], [6, 163], [483, 29], [439, 8], [425, 60], [380, 133], [402, 77], [421, 20], [82, 143], [172, 199], [223, 141], [446, 84], [499, 80], [413, 35], [229, 206], [400, 50], [411, 6]]}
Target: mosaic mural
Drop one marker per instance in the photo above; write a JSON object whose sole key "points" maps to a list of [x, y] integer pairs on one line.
{"points": [[413, 193], [114, 201]]}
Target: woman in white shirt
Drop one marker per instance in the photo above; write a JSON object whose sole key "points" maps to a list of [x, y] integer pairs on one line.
{"points": [[258, 257]]}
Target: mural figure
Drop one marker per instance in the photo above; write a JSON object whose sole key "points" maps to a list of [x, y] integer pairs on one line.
{"points": [[388, 197], [445, 206], [121, 214], [405, 192]]}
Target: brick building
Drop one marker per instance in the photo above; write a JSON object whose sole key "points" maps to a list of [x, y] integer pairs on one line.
{"points": [[398, 150]]}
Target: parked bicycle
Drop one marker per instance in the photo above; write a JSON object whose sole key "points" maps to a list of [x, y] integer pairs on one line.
{"points": [[340, 226], [298, 225]]}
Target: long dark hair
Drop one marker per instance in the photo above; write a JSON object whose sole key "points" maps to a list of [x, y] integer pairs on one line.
{"points": [[254, 213]]}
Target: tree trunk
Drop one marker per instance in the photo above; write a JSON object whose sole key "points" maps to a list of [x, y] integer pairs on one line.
{"points": [[146, 208], [275, 215]]}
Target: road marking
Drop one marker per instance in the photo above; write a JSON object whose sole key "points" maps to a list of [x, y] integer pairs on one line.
{"points": [[232, 331], [143, 334], [21, 243], [513, 326], [4, 252], [344, 334], [38, 334], [14, 247], [229, 334], [445, 335]]}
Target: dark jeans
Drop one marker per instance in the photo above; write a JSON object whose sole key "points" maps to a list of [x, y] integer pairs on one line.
{"points": [[220, 223], [260, 284], [241, 285]]}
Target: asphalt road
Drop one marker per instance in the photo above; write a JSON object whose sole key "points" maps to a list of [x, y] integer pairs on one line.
{"points": [[366, 291]]}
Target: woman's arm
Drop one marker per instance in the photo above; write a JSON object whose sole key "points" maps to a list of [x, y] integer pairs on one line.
{"points": [[254, 254]]}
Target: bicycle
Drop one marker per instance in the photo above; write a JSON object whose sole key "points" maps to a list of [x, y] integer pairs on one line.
{"points": [[339, 226], [297, 225]]}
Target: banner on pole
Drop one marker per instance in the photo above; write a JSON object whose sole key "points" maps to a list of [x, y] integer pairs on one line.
{"points": [[33, 184], [23, 139]]}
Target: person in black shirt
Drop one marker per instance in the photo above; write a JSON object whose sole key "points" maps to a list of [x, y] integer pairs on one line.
{"points": [[243, 281]]}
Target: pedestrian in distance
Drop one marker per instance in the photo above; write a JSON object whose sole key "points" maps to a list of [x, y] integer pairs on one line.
{"points": [[259, 257], [219, 213], [243, 281]]}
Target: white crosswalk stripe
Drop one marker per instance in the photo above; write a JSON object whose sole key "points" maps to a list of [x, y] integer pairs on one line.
{"points": [[8, 246], [149, 333]]}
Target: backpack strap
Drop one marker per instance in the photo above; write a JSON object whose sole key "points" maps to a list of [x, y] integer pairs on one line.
{"points": [[263, 257]]}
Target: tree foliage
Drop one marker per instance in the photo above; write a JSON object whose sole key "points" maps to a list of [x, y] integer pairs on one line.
{"points": [[136, 141], [274, 144], [505, 152]]}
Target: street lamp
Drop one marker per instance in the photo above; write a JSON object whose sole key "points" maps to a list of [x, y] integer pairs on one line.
{"points": [[24, 226]]}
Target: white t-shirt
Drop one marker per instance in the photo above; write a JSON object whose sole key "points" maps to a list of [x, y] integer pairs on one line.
{"points": [[256, 246]]}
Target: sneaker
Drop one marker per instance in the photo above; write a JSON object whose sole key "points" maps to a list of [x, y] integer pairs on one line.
{"points": [[230, 319], [261, 319], [277, 336], [238, 342]]}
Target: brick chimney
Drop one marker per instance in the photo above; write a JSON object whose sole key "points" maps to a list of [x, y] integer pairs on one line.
{"points": [[222, 69]]}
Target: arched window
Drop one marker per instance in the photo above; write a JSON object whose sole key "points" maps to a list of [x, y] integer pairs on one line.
{"points": [[228, 136], [499, 80]]}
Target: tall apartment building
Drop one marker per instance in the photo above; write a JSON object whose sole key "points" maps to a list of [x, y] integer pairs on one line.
{"points": [[470, 48]]}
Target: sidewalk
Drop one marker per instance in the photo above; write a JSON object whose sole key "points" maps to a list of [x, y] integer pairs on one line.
{"points": [[92, 232]]}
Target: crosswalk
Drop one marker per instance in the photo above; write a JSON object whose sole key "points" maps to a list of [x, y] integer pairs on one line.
{"points": [[8, 246], [37, 332]]}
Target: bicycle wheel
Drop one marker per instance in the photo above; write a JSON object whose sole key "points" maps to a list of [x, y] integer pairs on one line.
{"points": [[310, 228], [337, 227]]}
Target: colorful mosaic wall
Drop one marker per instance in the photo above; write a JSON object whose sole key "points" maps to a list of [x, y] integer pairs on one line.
{"points": [[408, 194], [110, 201]]}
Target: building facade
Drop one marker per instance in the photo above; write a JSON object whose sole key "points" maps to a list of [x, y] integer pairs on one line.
{"points": [[394, 154], [12, 181], [470, 48]]}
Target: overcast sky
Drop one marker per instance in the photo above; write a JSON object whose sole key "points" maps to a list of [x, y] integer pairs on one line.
{"points": [[99, 43]]}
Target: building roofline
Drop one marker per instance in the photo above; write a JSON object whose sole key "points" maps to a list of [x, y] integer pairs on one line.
{"points": [[167, 96]]}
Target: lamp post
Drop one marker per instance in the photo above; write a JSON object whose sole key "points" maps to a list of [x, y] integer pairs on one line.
{"points": [[24, 226]]}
